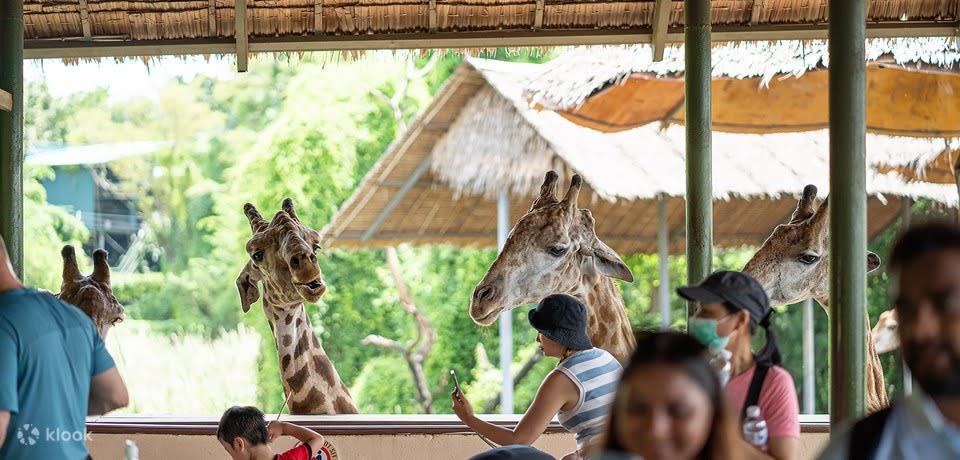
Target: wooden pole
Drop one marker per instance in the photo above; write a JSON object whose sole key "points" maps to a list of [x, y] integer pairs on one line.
{"points": [[506, 320], [848, 210], [699, 127], [11, 131], [663, 238], [809, 360]]}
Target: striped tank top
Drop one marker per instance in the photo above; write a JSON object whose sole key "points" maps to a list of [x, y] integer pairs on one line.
{"points": [[596, 374]]}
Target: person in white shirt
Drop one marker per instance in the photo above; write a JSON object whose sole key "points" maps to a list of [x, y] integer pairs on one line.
{"points": [[925, 262]]}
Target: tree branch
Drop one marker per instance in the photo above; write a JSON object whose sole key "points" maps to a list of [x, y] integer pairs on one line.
{"points": [[413, 355]]}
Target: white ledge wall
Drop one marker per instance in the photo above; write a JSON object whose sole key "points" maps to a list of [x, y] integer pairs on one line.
{"points": [[364, 447]]}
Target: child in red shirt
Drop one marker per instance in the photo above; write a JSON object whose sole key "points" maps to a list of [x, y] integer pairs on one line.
{"points": [[245, 435]]}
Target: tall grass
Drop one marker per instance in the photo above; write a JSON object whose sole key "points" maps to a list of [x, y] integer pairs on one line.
{"points": [[184, 373]]}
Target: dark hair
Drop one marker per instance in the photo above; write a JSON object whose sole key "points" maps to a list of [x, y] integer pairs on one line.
{"points": [[770, 353], [689, 355], [920, 240], [244, 422]]}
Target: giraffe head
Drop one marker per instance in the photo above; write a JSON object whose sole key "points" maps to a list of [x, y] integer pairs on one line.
{"points": [[283, 257], [884, 334], [92, 294], [793, 262], [550, 249]]}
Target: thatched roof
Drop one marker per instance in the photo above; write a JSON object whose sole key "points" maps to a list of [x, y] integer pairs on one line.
{"points": [[437, 182], [98, 28], [934, 167], [913, 87], [567, 81]]}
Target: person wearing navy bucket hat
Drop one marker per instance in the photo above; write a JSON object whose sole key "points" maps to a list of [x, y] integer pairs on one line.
{"points": [[578, 391], [731, 306]]}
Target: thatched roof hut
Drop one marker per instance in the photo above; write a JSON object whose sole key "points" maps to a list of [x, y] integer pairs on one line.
{"points": [[437, 182], [99, 28], [913, 87]]}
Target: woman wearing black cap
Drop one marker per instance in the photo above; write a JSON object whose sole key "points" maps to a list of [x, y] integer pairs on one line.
{"points": [[731, 307], [578, 391]]}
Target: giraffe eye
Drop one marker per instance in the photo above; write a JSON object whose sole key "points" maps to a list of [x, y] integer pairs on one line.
{"points": [[808, 259], [557, 250], [257, 256], [316, 247]]}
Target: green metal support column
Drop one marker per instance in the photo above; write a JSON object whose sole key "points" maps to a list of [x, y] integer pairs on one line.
{"points": [[848, 209], [11, 131], [699, 127]]}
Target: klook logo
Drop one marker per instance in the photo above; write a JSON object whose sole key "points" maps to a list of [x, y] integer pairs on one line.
{"points": [[28, 434]]}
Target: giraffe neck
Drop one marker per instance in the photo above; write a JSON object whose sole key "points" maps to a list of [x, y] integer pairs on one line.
{"points": [[876, 390], [310, 381], [607, 325]]}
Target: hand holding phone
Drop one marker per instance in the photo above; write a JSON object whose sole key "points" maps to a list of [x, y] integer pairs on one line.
{"points": [[456, 383]]}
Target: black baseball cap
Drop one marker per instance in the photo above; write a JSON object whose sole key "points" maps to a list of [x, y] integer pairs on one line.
{"points": [[562, 319], [737, 289]]}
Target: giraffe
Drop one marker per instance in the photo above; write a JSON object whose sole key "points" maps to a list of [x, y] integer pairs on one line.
{"points": [[554, 249], [282, 257], [91, 294], [884, 333], [792, 266]]}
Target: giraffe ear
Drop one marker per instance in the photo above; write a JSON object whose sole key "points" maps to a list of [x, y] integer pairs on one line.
{"points": [[247, 286], [604, 259], [609, 263]]}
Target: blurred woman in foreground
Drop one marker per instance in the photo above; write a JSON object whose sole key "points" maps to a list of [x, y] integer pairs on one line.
{"points": [[670, 405]]}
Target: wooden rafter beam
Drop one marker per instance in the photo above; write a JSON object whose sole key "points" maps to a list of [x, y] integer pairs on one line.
{"points": [[240, 33], [85, 20], [60, 49], [432, 15], [538, 16], [6, 101], [661, 21], [212, 18]]}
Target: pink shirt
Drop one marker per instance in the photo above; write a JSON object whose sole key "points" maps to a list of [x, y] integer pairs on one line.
{"points": [[778, 400]]}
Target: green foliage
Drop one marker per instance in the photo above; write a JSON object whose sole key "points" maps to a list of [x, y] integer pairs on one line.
{"points": [[385, 386], [47, 229]]}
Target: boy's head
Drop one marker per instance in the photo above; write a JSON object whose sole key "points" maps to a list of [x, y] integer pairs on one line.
{"points": [[242, 428]]}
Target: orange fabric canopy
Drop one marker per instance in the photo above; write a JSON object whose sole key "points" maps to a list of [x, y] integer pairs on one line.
{"points": [[900, 101]]}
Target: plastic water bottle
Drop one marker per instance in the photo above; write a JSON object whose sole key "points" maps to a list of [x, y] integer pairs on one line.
{"points": [[755, 429], [132, 452]]}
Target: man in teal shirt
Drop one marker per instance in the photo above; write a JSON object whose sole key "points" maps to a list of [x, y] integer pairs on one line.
{"points": [[54, 371]]}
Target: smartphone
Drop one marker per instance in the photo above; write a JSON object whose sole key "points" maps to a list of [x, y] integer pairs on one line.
{"points": [[456, 383]]}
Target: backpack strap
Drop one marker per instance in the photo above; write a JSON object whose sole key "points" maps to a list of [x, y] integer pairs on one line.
{"points": [[865, 435], [753, 394]]}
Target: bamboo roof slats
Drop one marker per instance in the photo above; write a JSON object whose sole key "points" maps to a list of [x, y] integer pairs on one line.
{"points": [[103, 28], [490, 139]]}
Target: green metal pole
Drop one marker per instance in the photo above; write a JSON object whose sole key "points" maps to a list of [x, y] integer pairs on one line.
{"points": [[11, 131], [697, 80], [848, 209]]}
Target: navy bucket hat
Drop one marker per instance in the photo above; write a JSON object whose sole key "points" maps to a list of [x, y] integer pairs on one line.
{"points": [[563, 319]]}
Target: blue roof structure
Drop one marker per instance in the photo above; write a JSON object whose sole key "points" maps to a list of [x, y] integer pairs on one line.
{"points": [[60, 154]]}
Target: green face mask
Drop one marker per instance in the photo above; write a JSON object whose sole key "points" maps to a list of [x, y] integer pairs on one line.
{"points": [[705, 330]]}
